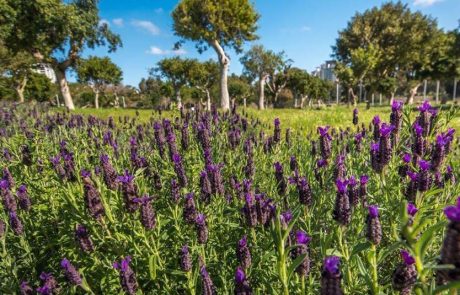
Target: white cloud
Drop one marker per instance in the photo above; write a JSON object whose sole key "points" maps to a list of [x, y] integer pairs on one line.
{"points": [[118, 22], [305, 29], [146, 25], [425, 3], [103, 22], [158, 51], [159, 10]]}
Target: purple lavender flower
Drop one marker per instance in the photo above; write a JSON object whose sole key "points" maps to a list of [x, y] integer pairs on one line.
{"points": [[277, 131], [49, 284], [201, 228], [159, 138], [411, 209], [424, 177], [376, 123], [175, 194], [375, 157], [185, 259], [342, 210], [83, 239], [331, 277], [16, 223], [147, 213], [189, 211], [281, 182], [439, 153], [449, 175], [8, 177], [325, 142], [250, 210], [340, 169], [405, 275], [92, 197], [25, 288], [373, 226], [179, 169], [353, 191], [302, 241], [127, 276], [411, 190], [243, 254], [215, 177], [449, 249], [110, 175], [355, 117], [241, 283], [23, 196], [71, 273], [129, 190], [207, 285]]}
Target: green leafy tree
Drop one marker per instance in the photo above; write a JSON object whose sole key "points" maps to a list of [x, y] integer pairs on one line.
{"points": [[56, 32], [239, 88], [18, 67], [203, 76], [400, 43], [299, 84], [155, 89], [98, 72], [261, 64], [175, 70], [219, 24], [40, 88]]}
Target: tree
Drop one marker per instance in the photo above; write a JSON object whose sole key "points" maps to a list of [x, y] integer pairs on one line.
{"points": [[299, 84], [40, 88], [402, 43], [17, 66], [262, 64], [203, 76], [56, 32], [239, 88], [177, 71], [218, 24], [98, 72]]}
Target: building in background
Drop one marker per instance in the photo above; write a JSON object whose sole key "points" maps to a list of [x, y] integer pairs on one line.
{"points": [[47, 70], [326, 71]]}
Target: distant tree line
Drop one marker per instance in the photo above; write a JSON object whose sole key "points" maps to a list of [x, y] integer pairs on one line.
{"points": [[388, 50]]}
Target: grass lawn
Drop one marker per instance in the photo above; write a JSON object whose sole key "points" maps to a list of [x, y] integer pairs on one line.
{"points": [[305, 120]]}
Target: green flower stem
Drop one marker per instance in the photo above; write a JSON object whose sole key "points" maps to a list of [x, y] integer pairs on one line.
{"points": [[373, 263]]}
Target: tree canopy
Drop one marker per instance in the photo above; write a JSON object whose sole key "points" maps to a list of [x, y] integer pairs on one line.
{"points": [[98, 72], [218, 24], [262, 64], [390, 41], [56, 32]]}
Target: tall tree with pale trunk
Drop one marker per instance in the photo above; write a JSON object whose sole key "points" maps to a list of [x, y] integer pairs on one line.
{"points": [[56, 32], [219, 24], [98, 72]]}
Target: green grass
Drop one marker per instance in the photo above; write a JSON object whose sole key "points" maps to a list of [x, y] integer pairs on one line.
{"points": [[305, 120]]}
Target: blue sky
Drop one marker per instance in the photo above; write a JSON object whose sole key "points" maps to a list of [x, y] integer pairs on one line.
{"points": [[304, 29]]}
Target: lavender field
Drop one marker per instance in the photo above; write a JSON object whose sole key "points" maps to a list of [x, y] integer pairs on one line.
{"points": [[220, 203]]}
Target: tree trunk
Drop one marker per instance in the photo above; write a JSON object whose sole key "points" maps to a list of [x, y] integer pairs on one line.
{"points": [[64, 88], [178, 99], [20, 89], [392, 98], [224, 62], [412, 93], [261, 93], [208, 100], [96, 99], [244, 101], [353, 96], [302, 101]]}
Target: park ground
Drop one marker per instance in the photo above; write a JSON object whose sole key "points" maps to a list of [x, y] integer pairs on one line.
{"points": [[305, 120]]}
